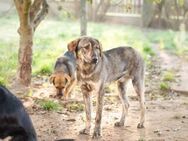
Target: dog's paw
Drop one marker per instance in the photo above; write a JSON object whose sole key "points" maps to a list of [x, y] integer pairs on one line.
{"points": [[96, 133], [139, 126], [118, 124], [85, 131], [64, 98]]}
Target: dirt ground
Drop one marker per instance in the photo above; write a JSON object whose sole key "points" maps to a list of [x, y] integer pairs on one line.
{"points": [[166, 120], [166, 113]]}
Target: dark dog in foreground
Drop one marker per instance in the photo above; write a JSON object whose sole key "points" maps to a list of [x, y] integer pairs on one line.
{"points": [[64, 76], [14, 120], [95, 68]]}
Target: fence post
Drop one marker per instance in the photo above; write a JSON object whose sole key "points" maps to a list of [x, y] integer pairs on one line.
{"points": [[83, 19]]}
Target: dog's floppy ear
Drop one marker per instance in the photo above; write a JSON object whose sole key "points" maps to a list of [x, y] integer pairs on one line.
{"points": [[72, 45], [100, 47], [52, 77]]}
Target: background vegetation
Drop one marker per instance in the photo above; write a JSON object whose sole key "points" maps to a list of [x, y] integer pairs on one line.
{"points": [[52, 36]]}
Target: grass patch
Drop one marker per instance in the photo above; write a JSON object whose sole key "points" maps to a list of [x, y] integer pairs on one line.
{"points": [[8, 61], [44, 70], [75, 107], [148, 50], [141, 139], [173, 41], [164, 38], [164, 86], [168, 76], [107, 89], [3, 81], [49, 105], [111, 99]]}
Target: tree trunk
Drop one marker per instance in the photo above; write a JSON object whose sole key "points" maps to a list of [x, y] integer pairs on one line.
{"points": [[76, 8], [83, 19], [31, 13], [104, 6], [25, 56], [94, 11], [147, 13]]}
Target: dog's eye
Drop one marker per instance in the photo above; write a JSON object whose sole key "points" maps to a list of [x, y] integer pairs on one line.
{"points": [[86, 48], [97, 46], [83, 51], [62, 87]]}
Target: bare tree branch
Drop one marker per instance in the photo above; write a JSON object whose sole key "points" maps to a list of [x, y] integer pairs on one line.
{"points": [[19, 8], [104, 8], [23, 7], [41, 15], [35, 8], [99, 5], [117, 3], [26, 9]]}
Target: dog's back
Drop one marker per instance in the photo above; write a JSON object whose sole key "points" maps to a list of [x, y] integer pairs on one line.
{"points": [[66, 63], [71, 56], [125, 61], [14, 120]]}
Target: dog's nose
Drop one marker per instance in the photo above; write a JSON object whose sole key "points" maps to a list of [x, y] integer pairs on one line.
{"points": [[59, 91], [95, 60]]}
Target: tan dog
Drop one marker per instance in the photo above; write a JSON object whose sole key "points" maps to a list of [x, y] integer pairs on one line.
{"points": [[64, 76], [96, 68]]}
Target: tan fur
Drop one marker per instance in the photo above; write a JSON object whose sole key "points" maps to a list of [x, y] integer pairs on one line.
{"points": [[64, 76]]}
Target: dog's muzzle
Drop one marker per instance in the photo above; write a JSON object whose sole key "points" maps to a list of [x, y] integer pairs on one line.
{"points": [[95, 60], [59, 91]]}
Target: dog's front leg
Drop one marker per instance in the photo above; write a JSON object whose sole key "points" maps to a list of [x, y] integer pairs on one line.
{"points": [[69, 88], [87, 102], [97, 128]]}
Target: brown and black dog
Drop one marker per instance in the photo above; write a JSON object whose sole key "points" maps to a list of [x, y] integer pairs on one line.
{"points": [[95, 68], [64, 75]]}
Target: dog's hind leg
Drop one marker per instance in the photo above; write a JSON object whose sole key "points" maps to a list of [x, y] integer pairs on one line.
{"points": [[124, 100], [138, 85]]}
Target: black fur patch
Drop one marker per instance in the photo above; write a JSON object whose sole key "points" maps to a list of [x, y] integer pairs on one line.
{"points": [[14, 120]]}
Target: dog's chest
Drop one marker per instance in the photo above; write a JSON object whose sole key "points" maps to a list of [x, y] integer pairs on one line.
{"points": [[90, 77], [90, 85]]}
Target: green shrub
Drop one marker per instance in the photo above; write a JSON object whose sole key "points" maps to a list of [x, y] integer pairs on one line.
{"points": [[168, 76], [75, 107], [148, 50], [49, 105], [44, 70], [164, 86], [8, 61], [3, 81]]}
